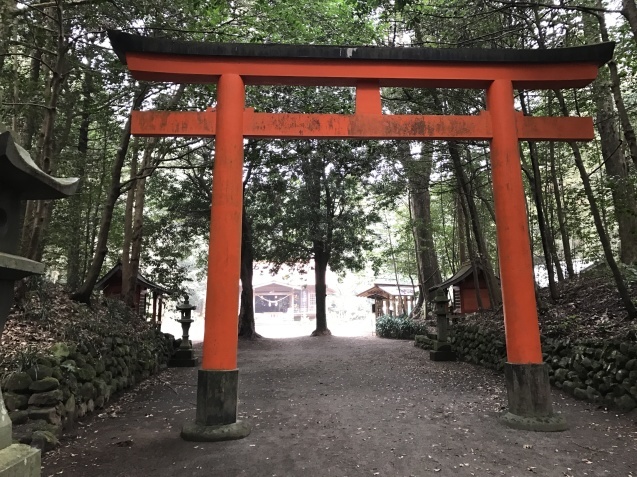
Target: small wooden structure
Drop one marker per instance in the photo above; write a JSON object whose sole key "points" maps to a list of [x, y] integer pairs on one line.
{"points": [[463, 285], [146, 292], [277, 297], [390, 298]]}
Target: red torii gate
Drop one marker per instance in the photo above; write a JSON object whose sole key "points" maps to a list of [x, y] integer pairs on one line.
{"points": [[232, 66]]}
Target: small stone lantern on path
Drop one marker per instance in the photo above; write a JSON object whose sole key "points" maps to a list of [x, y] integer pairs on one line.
{"points": [[20, 179], [185, 355], [441, 347]]}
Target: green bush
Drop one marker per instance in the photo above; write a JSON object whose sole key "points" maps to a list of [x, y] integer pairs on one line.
{"points": [[399, 327]]}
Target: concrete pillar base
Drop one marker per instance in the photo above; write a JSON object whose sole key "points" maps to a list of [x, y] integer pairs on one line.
{"points": [[183, 358], [529, 394], [216, 418], [442, 352], [228, 432], [19, 460]]}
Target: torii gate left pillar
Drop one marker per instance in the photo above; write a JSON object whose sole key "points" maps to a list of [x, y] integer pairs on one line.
{"points": [[218, 380], [498, 72]]}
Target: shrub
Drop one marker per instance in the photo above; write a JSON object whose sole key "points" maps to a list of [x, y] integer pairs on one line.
{"points": [[399, 327]]}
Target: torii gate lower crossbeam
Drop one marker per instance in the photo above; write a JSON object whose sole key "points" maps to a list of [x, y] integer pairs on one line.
{"points": [[234, 66]]}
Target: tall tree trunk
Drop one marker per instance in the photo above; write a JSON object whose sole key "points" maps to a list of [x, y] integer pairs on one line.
{"points": [[75, 201], [629, 10], [462, 237], [492, 282], [561, 219], [247, 328], [603, 237], [627, 127], [128, 219], [84, 293], [622, 189], [32, 119], [536, 181], [136, 237], [149, 164], [467, 233], [36, 224], [321, 259], [418, 179]]}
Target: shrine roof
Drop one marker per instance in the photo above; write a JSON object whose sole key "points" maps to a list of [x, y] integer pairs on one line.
{"points": [[129, 43]]}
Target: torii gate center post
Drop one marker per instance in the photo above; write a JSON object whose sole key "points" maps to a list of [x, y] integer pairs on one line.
{"points": [[233, 66]]}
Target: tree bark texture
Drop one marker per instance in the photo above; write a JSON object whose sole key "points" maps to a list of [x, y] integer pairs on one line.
{"points": [[247, 329], [495, 294], [621, 186], [83, 294], [418, 179], [75, 201], [629, 10], [321, 259], [599, 225]]}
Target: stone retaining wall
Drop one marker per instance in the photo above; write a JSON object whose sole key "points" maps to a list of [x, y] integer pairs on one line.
{"points": [[73, 380], [598, 372]]}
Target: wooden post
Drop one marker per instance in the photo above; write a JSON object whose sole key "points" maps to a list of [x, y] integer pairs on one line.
{"points": [[154, 321], [514, 249], [220, 333]]}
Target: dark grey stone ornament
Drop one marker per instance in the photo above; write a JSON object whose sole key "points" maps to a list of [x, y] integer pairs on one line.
{"points": [[185, 357], [441, 347], [20, 180]]}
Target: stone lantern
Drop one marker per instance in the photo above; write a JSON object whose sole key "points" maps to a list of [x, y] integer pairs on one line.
{"points": [[20, 179], [441, 347], [185, 355]]}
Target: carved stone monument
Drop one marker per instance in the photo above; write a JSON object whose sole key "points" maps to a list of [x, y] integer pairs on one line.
{"points": [[185, 355], [20, 179], [441, 347]]}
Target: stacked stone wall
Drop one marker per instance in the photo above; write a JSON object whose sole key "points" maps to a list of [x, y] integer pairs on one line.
{"points": [[71, 380], [599, 372]]}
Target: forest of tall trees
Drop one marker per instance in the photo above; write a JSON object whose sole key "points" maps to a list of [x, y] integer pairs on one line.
{"points": [[146, 201]]}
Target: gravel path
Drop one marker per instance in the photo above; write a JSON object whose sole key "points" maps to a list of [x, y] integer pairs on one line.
{"points": [[335, 406]]}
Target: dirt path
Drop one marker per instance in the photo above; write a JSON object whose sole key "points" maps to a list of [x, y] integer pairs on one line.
{"points": [[346, 407]]}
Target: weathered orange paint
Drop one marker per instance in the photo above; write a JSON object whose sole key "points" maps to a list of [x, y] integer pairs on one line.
{"points": [[224, 254], [321, 72], [359, 126], [368, 98], [514, 250]]}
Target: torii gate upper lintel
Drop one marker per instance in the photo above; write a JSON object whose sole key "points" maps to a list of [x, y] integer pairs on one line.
{"points": [[232, 66]]}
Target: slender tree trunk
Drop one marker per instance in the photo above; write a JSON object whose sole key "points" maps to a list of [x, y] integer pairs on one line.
{"points": [[418, 179], [535, 179], [603, 237], [321, 259], [247, 329], [136, 237], [84, 293], [622, 189], [629, 10], [128, 219], [561, 219], [485, 261], [35, 225], [462, 238], [467, 233], [75, 201], [627, 127], [31, 120]]}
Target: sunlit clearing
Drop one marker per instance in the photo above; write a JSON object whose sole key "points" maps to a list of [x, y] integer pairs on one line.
{"points": [[280, 325]]}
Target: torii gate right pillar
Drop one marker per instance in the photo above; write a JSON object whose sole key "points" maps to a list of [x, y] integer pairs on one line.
{"points": [[527, 378]]}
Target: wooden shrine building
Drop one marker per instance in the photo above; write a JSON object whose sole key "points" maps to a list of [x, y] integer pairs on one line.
{"points": [[465, 294], [390, 298], [147, 293], [276, 297]]}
